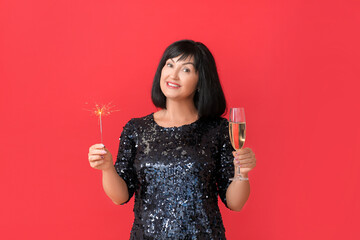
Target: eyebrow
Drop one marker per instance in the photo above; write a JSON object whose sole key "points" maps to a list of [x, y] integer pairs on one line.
{"points": [[184, 63]]}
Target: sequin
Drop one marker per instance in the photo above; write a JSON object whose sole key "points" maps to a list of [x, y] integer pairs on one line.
{"points": [[176, 174]]}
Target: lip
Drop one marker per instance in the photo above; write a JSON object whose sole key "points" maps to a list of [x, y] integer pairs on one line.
{"points": [[167, 84]]}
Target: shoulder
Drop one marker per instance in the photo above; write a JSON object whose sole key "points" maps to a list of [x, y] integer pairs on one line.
{"points": [[220, 128], [136, 125], [216, 127], [139, 122], [216, 123]]}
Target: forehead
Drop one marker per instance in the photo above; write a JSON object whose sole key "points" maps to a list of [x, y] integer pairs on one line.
{"points": [[182, 58]]}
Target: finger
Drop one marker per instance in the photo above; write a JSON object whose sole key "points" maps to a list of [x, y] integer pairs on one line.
{"points": [[236, 162], [243, 161], [97, 152], [247, 165], [248, 150], [246, 161], [244, 151], [96, 163], [238, 152], [243, 156], [93, 158], [248, 158], [97, 146]]}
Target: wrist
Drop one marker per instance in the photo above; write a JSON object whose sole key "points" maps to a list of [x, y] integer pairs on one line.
{"points": [[241, 176], [108, 169], [236, 174], [245, 175]]}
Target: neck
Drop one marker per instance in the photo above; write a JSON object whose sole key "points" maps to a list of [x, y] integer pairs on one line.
{"points": [[180, 111]]}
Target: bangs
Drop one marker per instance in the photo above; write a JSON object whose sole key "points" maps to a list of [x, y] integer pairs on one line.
{"points": [[185, 51]]}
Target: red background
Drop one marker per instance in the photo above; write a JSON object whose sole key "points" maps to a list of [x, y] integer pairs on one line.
{"points": [[293, 65]]}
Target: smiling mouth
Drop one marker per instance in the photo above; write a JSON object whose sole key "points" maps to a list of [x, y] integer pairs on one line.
{"points": [[172, 85]]}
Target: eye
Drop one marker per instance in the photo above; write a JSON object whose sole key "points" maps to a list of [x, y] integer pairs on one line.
{"points": [[169, 64], [186, 70]]}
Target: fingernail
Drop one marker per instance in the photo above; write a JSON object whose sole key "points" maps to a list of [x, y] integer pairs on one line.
{"points": [[103, 151], [102, 145]]}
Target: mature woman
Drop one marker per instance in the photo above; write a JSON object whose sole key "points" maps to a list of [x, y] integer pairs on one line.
{"points": [[178, 159]]}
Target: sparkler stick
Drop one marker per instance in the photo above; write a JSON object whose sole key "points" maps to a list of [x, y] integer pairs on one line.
{"points": [[101, 111], [100, 127]]}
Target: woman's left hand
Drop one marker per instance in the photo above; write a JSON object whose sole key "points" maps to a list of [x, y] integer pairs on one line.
{"points": [[245, 158]]}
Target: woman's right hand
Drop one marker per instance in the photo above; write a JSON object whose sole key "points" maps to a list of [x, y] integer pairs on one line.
{"points": [[99, 157]]}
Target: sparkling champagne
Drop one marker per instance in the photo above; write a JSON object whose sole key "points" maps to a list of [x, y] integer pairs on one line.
{"points": [[237, 133]]}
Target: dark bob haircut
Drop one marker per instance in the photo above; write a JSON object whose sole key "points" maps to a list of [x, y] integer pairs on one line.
{"points": [[209, 100]]}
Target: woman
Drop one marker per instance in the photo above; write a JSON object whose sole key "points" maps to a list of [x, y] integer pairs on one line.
{"points": [[178, 159]]}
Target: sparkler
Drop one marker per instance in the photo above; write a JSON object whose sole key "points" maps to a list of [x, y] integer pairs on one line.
{"points": [[101, 111]]}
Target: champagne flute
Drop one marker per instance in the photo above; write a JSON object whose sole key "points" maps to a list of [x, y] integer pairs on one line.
{"points": [[237, 132]]}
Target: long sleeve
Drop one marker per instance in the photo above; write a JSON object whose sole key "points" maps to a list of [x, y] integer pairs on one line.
{"points": [[225, 166], [124, 164]]}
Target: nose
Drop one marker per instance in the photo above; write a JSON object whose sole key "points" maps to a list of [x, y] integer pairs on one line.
{"points": [[174, 74]]}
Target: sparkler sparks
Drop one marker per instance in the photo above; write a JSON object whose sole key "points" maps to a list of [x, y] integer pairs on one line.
{"points": [[101, 111]]}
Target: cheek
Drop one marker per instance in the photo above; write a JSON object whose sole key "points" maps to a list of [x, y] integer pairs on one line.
{"points": [[164, 72], [194, 82], [162, 76], [162, 83]]}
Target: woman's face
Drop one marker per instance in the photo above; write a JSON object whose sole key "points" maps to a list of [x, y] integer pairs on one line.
{"points": [[179, 79]]}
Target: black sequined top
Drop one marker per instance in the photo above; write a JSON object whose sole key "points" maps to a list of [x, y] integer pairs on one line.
{"points": [[176, 174]]}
